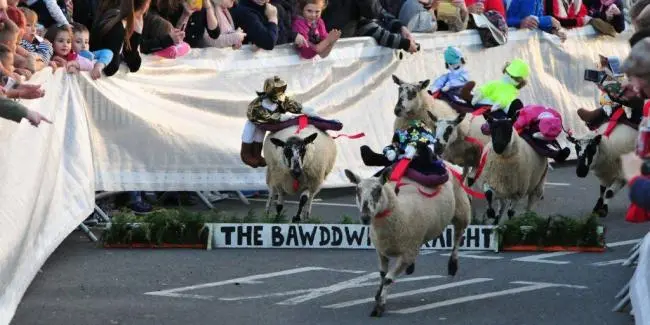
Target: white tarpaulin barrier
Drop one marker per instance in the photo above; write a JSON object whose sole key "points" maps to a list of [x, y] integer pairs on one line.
{"points": [[46, 185], [640, 285], [176, 124]]}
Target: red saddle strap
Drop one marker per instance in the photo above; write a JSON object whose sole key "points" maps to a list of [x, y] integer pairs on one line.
{"points": [[303, 122], [481, 164], [613, 121], [399, 170], [467, 190]]}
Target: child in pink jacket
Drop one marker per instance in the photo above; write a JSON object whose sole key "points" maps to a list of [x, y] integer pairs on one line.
{"points": [[312, 27], [542, 125], [61, 39]]}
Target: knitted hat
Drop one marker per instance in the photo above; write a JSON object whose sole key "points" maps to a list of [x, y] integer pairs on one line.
{"points": [[549, 125], [518, 68], [453, 55], [638, 61]]}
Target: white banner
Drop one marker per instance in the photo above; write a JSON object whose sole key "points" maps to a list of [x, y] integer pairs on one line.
{"points": [[344, 236], [46, 185], [176, 124]]}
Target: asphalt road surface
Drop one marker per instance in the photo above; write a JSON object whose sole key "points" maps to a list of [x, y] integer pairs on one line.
{"points": [[84, 284]]}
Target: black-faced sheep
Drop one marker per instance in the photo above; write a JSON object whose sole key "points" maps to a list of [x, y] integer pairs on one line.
{"points": [[297, 165], [603, 156], [513, 169], [401, 224]]}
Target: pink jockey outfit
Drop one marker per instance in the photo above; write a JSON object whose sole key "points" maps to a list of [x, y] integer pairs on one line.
{"points": [[545, 123]]}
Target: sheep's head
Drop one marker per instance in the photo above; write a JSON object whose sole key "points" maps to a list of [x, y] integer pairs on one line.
{"points": [[500, 131], [446, 131], [586, 149], [408, 97], [293, 152], [369, 196]]}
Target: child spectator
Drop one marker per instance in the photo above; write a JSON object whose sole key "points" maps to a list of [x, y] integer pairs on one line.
{"points": [[607, 16], [312, 28], [61, 39], [23, 61], [162, 39], [570, 13], [34, 43], [530, 14], [80, 45], [195, 22], [259, 20], [50, 12], [228, 36]]}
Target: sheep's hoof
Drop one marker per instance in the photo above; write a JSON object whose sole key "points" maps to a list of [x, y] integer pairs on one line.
{"points": [[598, 206], [452, 266], [470, 181], [603, 211], [511, 213], [410, 269], [295, 219], [491, 214], [278, 208], [609, 194], [378, 311]]}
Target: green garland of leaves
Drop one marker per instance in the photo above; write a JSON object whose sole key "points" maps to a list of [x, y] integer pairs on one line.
{"points": [[556, 230]]}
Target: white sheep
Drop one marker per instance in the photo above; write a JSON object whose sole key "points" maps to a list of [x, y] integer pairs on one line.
{"points": [[297, 165], [461, 142], [513, 170], [401, 224], [603, 156], [414, 103]]}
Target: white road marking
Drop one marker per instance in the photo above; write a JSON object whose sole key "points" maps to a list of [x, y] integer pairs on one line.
{"points": [[540, 258], [410, 293], [623, 243], [557, 184], [253, 279], [531, 286], [474, 255], [348, 205], [347, 284], [302, 291], [604, 263]]}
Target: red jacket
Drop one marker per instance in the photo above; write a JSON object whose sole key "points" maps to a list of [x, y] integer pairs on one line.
{"points": [[568, 17], [496, 5]]}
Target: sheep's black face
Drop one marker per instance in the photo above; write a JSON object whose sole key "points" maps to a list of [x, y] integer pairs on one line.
{"points": [[586, 150], [408, 96], [501, 133], [293, 152]]}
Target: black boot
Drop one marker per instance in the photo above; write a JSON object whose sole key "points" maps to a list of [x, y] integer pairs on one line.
{"points": [[371, 158]]}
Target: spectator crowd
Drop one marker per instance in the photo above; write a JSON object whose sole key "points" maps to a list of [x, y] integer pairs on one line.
{"points": [[99, 35]]}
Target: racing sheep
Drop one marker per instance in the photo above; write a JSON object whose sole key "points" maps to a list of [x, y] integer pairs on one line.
{"points": [[297, 165], [401, 224]]}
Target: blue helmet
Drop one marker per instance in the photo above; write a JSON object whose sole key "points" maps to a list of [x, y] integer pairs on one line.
{"points": [[453, 55]]}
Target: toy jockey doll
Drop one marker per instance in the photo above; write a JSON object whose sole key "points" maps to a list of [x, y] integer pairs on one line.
{"points": [[456, 77], [542, 125], [609, 82], [499, 94], [416, 143], [270, 106]]}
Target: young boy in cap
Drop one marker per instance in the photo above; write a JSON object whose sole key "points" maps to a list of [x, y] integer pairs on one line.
{"points": [[453, 81], [270, 106]]}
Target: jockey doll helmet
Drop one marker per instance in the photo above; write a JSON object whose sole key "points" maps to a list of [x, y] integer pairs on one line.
{"points": [[518, 68], [274, 89], [453, 57], [549, 125]]}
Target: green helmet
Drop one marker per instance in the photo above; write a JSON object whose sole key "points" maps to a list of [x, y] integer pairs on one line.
{"points": [[518, 68]]}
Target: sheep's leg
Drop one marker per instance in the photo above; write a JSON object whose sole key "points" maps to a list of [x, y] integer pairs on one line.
{"points": [[609, 194], [307, 210], [304, 197], [489, 196], [279, 203], [380, 299], [511, 208], [383, 266], [503, 205], [460, 224], [471, 176], [267, 209], [601, 200]]}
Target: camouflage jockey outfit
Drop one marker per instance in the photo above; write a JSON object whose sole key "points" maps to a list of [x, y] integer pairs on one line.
{"points": [[270, 106]]}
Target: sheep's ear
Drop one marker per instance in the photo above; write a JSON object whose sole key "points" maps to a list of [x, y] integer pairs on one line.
{"points": [[383, 178], [597, 139], [310, 138], [424, 84], [432, 117], [354, 179], [277, 142], [459, 118], [397, 80]]}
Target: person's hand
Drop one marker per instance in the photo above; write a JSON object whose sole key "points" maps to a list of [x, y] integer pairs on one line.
{"points": [[406, 33], [413, 47], [390, 155], [96, 73], [555, 23], [54, 65], [612, 11], [24, 72], [477, 8], [72, 67], [61, 62], [240, 35], [26, 91], [561, 35], [300, 41], [237, 46], [35, 118], [631, 165], [529, 22], [271, 12], [188, 10], [177, 35]]}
